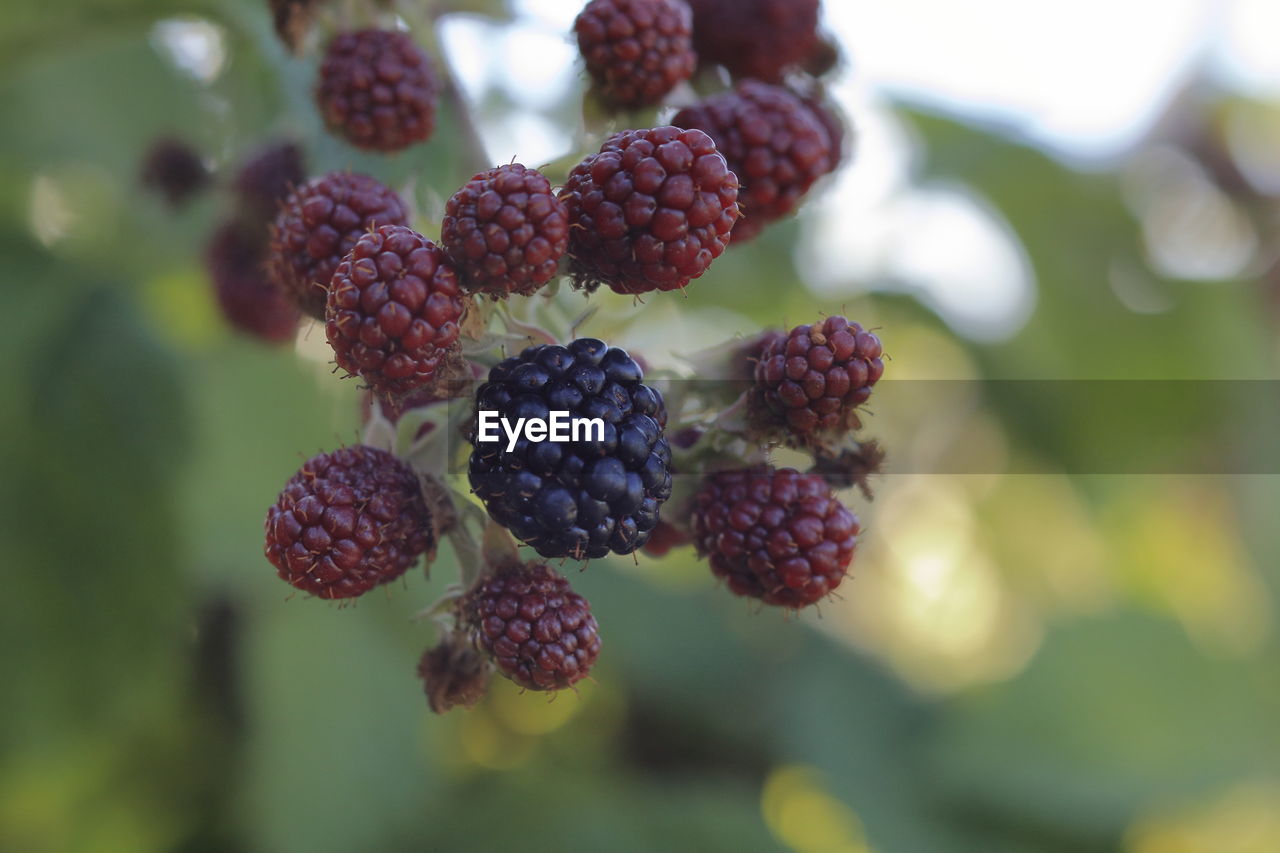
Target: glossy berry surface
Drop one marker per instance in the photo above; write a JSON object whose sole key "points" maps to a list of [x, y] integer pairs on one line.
{"points": [[505, 231], [651, 211], [774, 143], [774, 534], [759, 39], [393, 310], [377, 89], [537, 630], [319, 223], [579, 499], [813, 379], [346, 522], [636, 51]]}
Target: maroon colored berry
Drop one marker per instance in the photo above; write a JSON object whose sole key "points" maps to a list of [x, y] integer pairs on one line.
{"points": [[266, 179], [774, 534], [771, 140], [453, 673], [348, 521], [755, 38], [378, 90], [636, 51], [172, 169], [664, 537], [393, 310], [318, 224], [651, 211], [538, 631], [505, 231], [813, 380], [248, 298]]}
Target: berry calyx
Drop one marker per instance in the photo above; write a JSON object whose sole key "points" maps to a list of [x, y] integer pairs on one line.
{"points": [[636, 51], [377, 90], [347, 522], [505, 231], [393, 310], [651, 211], [812, 381], [453, 673], [774, 534], [538, 632], [581, 498], [772, 140], [319, 223]]}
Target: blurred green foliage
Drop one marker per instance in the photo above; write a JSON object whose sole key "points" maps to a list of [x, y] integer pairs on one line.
{"points": [[162, 693]]}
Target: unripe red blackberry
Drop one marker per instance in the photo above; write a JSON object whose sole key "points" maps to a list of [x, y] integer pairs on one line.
{"points": [[348, 521], [319, 223], [236, 260], [759, 39], [813, 380], [173, 169], [636, 51], [651, 211], [664, 537], [774, 534], [377, 89], [393, 310], [505, 231], [538, 631], [771, 140], [266, 179]]}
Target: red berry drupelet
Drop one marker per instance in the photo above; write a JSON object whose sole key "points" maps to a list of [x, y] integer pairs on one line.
{"points": [[377, 89], [538, 631], [636, 51], [759, 39], [319, 223], [505, 231], [651, 211], [774, 534], [393, 310], [348, 521], [812, 380], [249, 300], [773, 142]]}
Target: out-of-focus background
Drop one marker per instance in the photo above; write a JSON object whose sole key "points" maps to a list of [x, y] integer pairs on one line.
{"points": [[1040, 653]]}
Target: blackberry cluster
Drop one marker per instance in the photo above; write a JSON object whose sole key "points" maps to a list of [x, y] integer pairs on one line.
{"points": [[651, 211], [249, 300], [585, 498], [772, 141], [759, 39], [378, 90], [538, 631], [636, 51], [506, 231], [393, 310], [318, 224], [813, 379], [174, 170], [348, 521], [774, 534]]}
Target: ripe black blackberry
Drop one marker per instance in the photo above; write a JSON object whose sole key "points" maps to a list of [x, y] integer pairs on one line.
{"points": [[651, 211], [812, 381], [249, 299], [378, 90], [636, 51], [759, 39], [265, 180], [319, 223], [505, 231], [774, 534], [537, 630], [585, 498], [774, 143], [348, 521], [174, 170], [393, 310]]}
